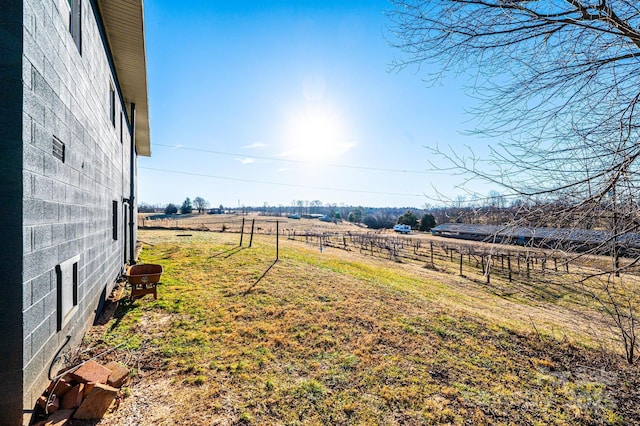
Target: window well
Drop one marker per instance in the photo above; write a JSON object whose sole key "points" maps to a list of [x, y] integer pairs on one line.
{"points": [[67, 284]]}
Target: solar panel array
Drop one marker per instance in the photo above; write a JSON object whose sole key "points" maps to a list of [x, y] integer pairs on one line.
{"points": [[583, 236]]}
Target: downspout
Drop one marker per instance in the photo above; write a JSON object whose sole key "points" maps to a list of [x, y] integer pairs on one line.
{"points": [[132, 187]]}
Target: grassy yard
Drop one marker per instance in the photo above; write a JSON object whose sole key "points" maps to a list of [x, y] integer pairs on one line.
{"points": [[335, 337]]}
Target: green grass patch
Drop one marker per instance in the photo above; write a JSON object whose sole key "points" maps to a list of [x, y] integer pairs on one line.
{"points": [[339, 338]]}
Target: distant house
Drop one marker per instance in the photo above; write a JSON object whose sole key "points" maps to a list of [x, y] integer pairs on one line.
{"points": [[312, 216], [73, 120]]}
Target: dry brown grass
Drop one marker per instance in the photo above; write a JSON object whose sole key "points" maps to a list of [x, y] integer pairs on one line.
{"points": [[341, 338], [233, 223]]}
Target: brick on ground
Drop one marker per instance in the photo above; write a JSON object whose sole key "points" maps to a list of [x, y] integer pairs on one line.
{"points": [[73, 397], [96, 403], [58, 387], [118, 376], [53, 406], [91, 372], [60, 418]]}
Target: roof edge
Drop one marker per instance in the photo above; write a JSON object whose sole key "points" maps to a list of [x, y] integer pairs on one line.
{"points": [[123, 22]]}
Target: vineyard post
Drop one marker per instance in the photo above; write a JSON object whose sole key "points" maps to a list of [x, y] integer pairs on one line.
{"points": [[431, 246], [461, 264], [509, 265], [253, 221], [242, 232], [277, 239]]}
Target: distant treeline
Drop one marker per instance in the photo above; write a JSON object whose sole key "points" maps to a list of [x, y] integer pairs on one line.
{"points": [[496, 212]]}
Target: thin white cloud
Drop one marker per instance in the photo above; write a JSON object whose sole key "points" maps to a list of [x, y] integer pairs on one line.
{"points": [[255, 145], [245, 160]]}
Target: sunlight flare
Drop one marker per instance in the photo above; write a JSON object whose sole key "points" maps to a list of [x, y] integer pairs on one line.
{"points": [[316, 135]]}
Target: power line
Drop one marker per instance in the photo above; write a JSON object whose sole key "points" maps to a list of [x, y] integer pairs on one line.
{"points": [[285, 160], [280, 184]]}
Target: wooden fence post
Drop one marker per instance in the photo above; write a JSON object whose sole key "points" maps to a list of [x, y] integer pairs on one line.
{"points": [[242, 232], [431, 245]]}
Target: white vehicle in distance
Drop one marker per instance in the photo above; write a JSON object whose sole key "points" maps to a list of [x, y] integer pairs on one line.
{"points": [[403, 229]]}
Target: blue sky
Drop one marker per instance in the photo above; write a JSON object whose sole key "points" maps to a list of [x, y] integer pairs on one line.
{"points": [[255, 102]]}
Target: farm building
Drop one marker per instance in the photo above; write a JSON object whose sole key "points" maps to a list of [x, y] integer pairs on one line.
{"points": [[572, 239], [74, 119]]}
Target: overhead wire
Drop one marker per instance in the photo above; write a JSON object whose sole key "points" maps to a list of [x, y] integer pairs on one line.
{"points": [[287, 160], [293, 185]]}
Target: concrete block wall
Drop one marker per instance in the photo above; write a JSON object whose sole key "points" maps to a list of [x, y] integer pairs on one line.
{"points": [[11, 240], [67, 205]]}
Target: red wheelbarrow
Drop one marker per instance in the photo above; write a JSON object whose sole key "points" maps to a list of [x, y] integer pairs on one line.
{"points": [[143, 279]]}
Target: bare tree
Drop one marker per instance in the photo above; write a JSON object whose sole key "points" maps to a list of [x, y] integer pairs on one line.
{"points": [[200, 204], [557, 82]]}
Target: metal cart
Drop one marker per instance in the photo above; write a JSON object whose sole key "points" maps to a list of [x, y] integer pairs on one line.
{"points": [[144, 279]]}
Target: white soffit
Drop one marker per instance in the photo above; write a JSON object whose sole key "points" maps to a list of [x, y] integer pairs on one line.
{"points": [[124, 26]]}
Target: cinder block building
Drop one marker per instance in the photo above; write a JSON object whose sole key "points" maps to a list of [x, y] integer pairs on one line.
{"points": [[73, 119]]}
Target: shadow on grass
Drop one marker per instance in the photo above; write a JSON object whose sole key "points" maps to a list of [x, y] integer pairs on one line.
{"points": [[116, 310], [229, 252], [260, 279]]}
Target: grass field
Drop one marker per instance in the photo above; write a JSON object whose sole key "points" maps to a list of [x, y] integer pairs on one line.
{"points": [[233, 223], [334, 337]]}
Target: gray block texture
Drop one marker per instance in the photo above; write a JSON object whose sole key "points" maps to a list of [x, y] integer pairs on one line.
{"points": [[62, 166]]}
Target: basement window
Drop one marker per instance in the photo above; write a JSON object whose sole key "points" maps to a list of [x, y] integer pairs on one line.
{"points": [[114, 219], [67, 284], [75, 22]]}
